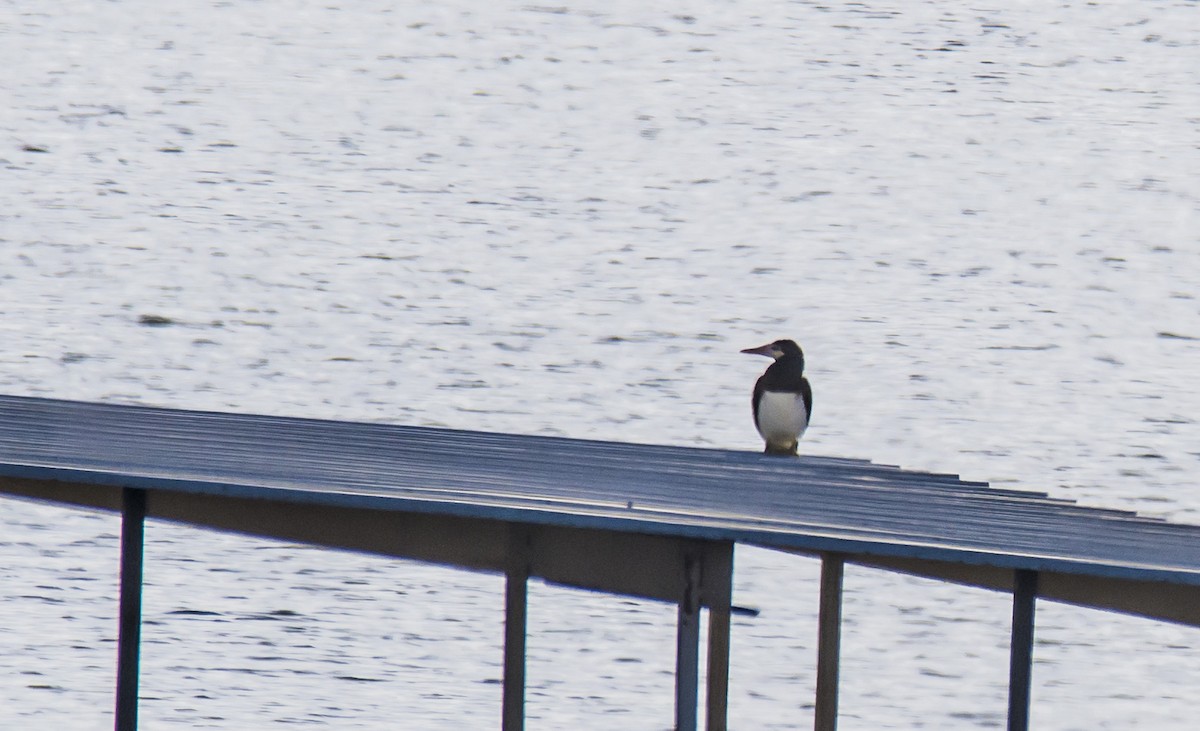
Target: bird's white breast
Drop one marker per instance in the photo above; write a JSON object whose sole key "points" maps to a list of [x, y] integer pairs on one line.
{"points": [[782, 417]]}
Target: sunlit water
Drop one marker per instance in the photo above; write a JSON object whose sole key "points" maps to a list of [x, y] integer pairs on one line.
{"points": [[979, 222]]}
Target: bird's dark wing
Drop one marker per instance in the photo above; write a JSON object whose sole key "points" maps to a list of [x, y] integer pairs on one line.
{"points": [[806, 392], [758, 392]]}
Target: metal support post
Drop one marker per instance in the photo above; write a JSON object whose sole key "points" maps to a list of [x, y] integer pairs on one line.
{"points": [[687, 649], [829, 642], [133, 518], [718, 669], [1020, 669], [516, 586]]}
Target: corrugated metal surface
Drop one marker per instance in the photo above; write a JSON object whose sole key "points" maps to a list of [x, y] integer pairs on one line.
{"points": [[811, 503]]}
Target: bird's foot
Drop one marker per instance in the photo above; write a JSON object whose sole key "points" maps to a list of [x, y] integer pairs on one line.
{"points": [[781, 450]]}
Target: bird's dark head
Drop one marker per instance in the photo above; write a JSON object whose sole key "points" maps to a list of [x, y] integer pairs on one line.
{"points": [[777, 349]]}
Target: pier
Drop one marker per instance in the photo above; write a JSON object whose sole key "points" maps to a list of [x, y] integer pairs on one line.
{"points": [[652, 522]]}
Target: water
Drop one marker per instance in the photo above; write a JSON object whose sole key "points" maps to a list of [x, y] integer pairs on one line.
{"points": [[979, 222]]}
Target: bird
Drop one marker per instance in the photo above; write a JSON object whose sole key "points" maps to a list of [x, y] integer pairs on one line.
{"points": [[782, 401]]}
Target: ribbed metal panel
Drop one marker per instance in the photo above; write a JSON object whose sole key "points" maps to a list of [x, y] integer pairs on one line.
{"points": [[810, 503]]}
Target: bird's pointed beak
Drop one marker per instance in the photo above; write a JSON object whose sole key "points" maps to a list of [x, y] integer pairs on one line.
{"points": [[760, 350]]}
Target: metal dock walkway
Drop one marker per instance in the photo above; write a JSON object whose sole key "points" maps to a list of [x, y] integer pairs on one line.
{"points": [[646, 521]]}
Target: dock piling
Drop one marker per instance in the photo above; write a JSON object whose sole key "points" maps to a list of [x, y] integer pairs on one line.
{"points": [[133, 520], [829, 641], [687, 649], [1020, 671], [718, 669], [516, 597]]}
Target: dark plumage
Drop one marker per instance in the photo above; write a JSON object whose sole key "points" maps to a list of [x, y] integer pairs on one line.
{"points": [[782, 401]]}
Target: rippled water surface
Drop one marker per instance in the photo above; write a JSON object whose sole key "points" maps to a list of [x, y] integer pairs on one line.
{"points": [[980, 222]]}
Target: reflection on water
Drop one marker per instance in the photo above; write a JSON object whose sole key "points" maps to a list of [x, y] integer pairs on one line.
{"points": [[567, 220]]}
